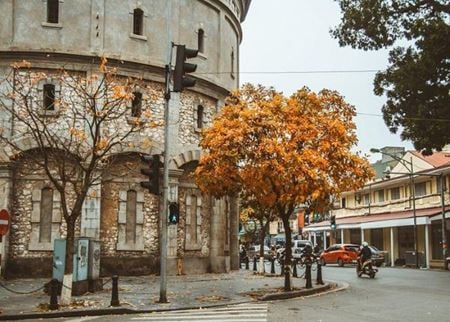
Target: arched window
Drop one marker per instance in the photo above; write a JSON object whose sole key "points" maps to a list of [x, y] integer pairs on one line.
{"points": [[130, 226], [201, 41], [48, 97], [52, 11], [199, 116], [46, 211], [138, 22], [136, 105]]}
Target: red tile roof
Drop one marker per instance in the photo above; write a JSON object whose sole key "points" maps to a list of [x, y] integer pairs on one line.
{"points": [[437, 159]]}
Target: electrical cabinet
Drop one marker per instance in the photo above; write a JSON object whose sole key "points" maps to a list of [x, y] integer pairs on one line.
{"points": [[86, 259]]}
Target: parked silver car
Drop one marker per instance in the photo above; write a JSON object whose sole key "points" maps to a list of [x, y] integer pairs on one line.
{"points": [[253, 251]]}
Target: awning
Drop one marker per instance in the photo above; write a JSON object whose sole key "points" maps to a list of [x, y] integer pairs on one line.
{"points": [[383, 220], [281, 237]]}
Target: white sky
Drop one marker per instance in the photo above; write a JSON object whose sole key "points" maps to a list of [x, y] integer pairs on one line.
{"points": [[293, 35]]}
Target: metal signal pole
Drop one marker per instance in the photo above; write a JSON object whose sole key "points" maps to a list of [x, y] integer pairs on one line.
{"points": [[164, 206]]}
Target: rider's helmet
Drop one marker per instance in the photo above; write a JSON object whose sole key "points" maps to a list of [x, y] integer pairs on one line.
{"points": [[365, 244]]}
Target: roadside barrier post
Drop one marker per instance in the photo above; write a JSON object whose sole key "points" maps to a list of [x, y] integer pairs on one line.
{"points": [[294, 270], [308, 273], [272, 265], [254, 264], [319, 273], [115, 291], [246, 263], [54, 294]]}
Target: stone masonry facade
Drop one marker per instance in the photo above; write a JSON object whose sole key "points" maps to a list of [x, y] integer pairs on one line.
{"points": [[205, 238]]}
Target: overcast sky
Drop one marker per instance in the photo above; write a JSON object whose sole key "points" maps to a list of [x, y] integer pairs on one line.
{"points": [[293, 35]]}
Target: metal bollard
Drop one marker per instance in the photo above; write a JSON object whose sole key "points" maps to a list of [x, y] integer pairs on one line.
{"points": [[272, 265], [54, 283], [294, 270], [254, 264], [115, 291], [308, 274], [247, 266], [319, 274]]}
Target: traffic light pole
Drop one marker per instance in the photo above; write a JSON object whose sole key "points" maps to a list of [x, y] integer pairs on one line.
{"points": [[163, 214]]}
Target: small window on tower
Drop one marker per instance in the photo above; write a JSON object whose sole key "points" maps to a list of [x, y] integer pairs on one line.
{"points": [[201, 41], [199, 117], [136, 105], [232, 63], [49, 97], [138, 22], [52, 11]]}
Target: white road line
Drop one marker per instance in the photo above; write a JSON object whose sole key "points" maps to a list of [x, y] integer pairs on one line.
{"points": [[237, 313], [83, 319]]}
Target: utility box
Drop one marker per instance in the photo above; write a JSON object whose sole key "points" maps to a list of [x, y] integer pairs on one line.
{"points": [[86, 259], [94, 259], [59, 258], [81, 259]]}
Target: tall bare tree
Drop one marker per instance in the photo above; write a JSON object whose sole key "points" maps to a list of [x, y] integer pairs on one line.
{"points": [[72, 129]]}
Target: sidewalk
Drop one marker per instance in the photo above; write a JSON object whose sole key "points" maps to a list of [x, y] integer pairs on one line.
{"points": [[142, 293]]}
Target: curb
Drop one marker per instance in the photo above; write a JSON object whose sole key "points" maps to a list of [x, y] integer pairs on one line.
{"points": [[322, 290], [292, 294], [109, 311]]}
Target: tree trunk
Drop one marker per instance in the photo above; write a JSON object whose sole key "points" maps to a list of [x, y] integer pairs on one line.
{"points": [[288, 254], [262, 235], [66, 291]]}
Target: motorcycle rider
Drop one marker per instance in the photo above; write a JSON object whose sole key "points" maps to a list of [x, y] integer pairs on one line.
{"points": [[364, 254]]}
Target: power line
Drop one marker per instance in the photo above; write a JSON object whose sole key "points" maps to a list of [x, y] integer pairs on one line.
{"points": [[299, 72], [407, 118]]}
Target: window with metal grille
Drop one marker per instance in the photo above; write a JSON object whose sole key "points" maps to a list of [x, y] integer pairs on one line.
{"points": [[49, 97], [420, 189], [395, 193], [138, 22], [136, 105], [366, 199], [380, 195], [53, 11]]}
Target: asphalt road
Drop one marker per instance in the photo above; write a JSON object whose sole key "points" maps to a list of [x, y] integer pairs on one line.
{"points": [[396, 294]]}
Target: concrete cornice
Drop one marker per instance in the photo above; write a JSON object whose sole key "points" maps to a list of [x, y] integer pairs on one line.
{"points": [[79, 62]]}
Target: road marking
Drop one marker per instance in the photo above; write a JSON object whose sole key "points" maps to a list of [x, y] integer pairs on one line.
{"points": [[83, 319], [238, 313]]}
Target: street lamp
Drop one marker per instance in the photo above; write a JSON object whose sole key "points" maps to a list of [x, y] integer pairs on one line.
{"points": [[409, 166]]}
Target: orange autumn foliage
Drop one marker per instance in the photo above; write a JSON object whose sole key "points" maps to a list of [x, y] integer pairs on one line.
{"points": [[284, 151]]}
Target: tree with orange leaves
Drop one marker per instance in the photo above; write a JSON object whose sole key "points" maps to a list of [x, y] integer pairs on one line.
{"points": [[283, 151]]}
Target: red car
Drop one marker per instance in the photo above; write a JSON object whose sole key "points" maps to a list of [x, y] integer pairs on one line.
{"points": [[340, 254]]}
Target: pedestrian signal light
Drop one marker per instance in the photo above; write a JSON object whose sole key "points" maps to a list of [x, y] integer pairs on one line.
{"points": [[174, 213]]}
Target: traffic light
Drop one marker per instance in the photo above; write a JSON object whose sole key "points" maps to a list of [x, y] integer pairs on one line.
{"points": [[174, 213], [180, 79], [152, 172], [333, 222]]}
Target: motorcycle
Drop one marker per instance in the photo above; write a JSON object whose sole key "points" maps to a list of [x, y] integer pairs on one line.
{"points": [[367, 269]]}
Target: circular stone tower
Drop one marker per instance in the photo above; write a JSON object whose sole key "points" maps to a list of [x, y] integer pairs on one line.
{"points": [[135, 36]]}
